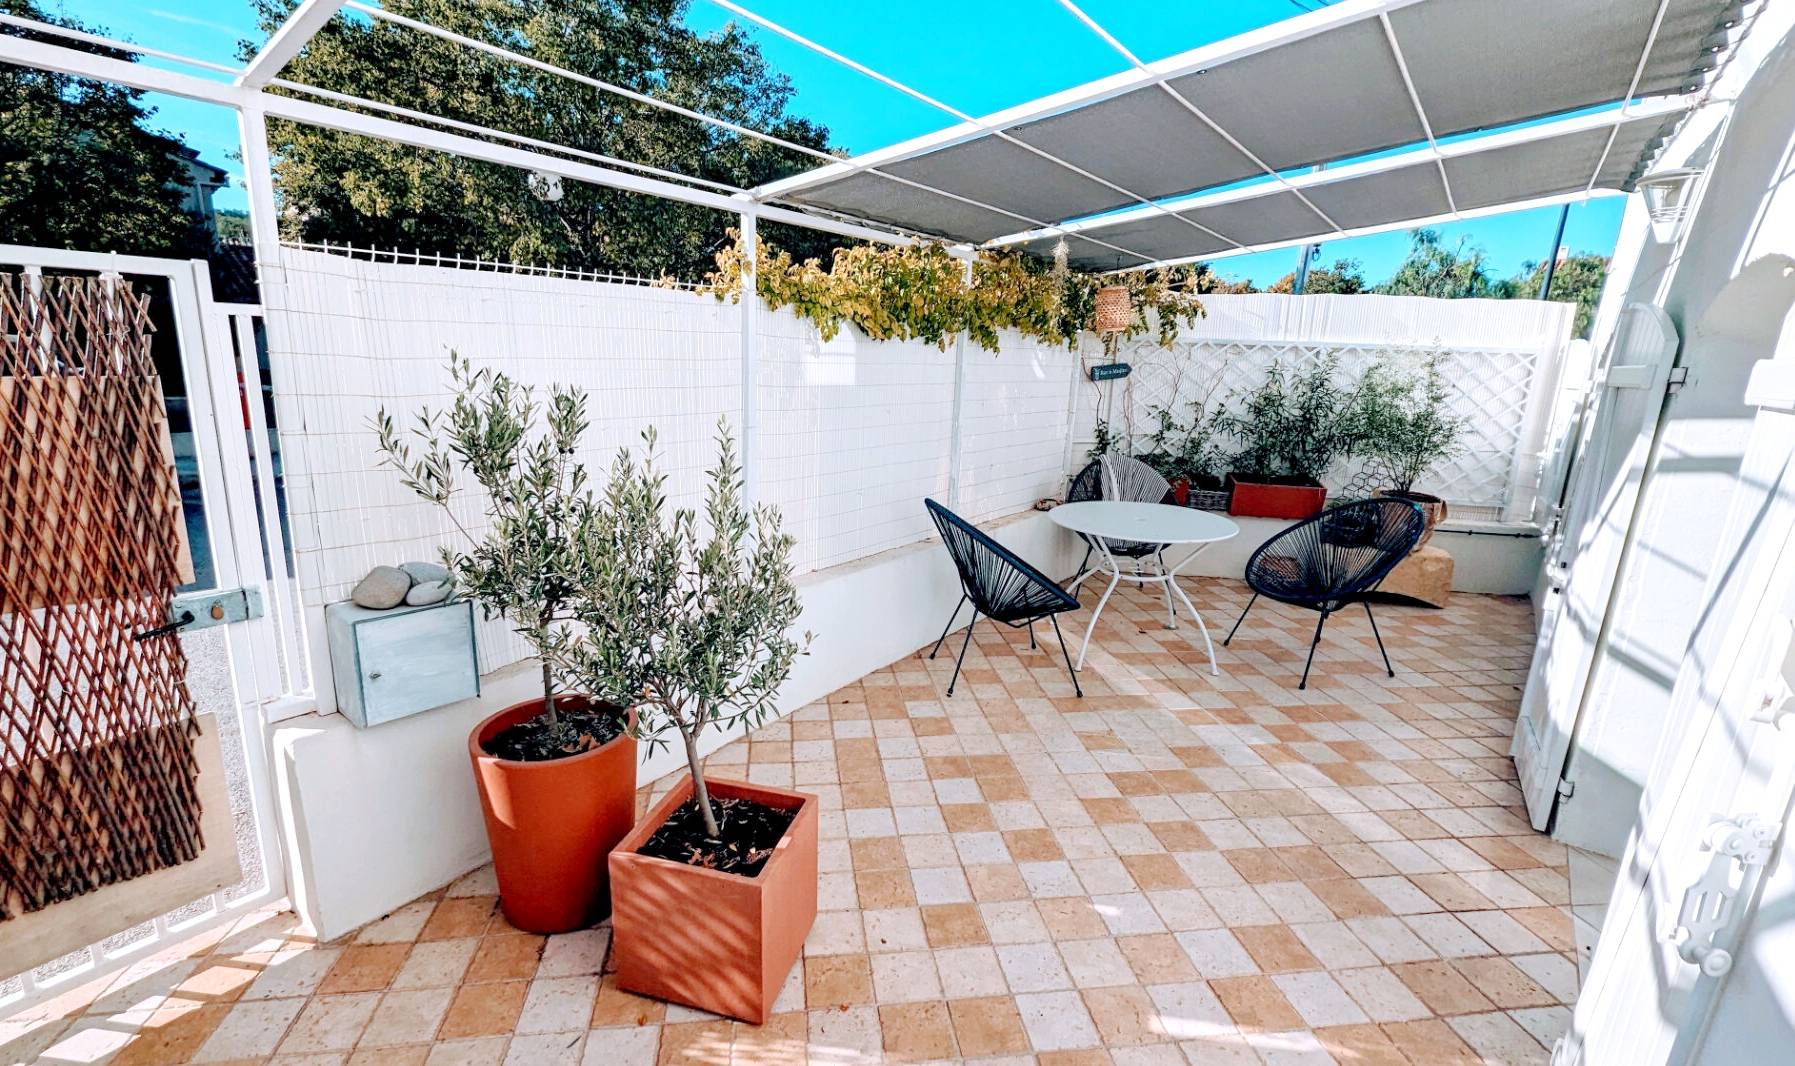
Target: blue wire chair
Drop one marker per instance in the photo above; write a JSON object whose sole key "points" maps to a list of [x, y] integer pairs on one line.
{"points": [[1000, 586], [1333, 560]]}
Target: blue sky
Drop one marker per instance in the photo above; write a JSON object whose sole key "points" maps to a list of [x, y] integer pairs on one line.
{"points": [[975, 56]]}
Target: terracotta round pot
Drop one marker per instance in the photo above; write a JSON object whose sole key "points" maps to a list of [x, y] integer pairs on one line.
{"points": [[552, 824], [1432, 507]]}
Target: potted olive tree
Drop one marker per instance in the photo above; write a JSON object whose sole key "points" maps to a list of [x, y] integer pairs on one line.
{"points": [[556, 773], [688, 617], [1291, 428], [1405, 429]]}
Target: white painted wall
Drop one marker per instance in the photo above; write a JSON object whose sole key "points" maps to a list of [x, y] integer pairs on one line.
{"points": [[1725, 287]]}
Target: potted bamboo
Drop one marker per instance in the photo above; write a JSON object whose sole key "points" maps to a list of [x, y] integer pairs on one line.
{"points": [[1404, 429], [1292, 428], [716, 889], [1187, 456], [556, 773]]}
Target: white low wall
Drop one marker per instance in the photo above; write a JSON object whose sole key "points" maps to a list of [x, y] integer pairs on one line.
{"points": [[1491, 558], [376, 817]]}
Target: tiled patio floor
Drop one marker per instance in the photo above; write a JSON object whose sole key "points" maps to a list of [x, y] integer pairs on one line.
{"points": [[1177, 868]]}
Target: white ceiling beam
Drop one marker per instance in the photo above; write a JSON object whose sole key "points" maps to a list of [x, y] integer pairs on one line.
{"points": [[83, 64], [1389, 227], [805, 42], [1206, 57], [1645, 54], [642, 98], [300, 27], [1434, 153], [1427, 127]]}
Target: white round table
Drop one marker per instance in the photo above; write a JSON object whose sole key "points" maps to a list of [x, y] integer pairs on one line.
{"points": [[1102, 521]]}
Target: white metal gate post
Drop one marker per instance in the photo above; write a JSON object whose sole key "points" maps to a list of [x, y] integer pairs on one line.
{"points": [[956, 425], [749, 301]]}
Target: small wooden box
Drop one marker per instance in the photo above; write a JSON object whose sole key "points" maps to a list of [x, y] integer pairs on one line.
{"points": [[394, 663]]}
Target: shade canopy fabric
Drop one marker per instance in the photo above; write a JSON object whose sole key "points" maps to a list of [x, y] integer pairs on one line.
{"points": [[1359, 78]]}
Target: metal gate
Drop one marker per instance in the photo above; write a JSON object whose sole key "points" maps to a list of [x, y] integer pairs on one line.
{"points": [[226, 640]]}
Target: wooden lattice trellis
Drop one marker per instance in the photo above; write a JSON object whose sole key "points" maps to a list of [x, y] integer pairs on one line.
{"points": [[98, 780]]}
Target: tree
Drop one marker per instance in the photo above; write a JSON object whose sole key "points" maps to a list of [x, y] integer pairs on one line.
{"points": [[343, 188], [1204, 280], [79, 166], [1345, 278], [1434, 270], [1578, 279], [686, 621]]}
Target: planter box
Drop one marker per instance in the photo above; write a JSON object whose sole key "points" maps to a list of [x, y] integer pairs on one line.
{"points": [[716, 941], [1260, 499], [552, 823]]}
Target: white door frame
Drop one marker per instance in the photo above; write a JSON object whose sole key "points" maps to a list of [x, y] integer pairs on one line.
{"points": [[238, 538]]}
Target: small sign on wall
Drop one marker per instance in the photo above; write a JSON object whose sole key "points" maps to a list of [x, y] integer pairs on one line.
{"points": [[1110, 371]]}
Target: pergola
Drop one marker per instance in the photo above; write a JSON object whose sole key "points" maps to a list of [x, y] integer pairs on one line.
{"points": [[1360, 117]]}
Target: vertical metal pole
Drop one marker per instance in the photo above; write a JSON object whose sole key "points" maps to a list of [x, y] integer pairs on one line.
{"points": [[1302, 270], [258, 177], [1545, 285], [750, 300], [956, 427]]}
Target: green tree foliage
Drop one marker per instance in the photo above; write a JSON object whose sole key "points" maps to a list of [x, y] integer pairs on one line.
{"points": [[1578, 279], [1432, 269], [526, 565], [685, 618], [1344, 278], [79, 166], [343, 188]]}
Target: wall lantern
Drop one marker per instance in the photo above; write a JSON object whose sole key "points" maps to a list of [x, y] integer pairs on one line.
{"points": [[1669, 196], [1115, 309]]}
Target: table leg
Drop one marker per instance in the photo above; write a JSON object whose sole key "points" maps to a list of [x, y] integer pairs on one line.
{"points": [[1172, 586], [1115, 576], [1165, 587]]}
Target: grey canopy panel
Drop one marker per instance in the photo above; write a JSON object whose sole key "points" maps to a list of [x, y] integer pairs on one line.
{"points": [[1336, 94], [1554, 165]]}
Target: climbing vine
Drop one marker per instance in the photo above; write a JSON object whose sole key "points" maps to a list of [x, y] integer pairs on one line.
{"points": [[919, 292]]}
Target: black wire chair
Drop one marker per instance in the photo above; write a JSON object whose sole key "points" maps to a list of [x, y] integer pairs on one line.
{"points": [[1118, 477], [1000, 586], [1333, 560]]}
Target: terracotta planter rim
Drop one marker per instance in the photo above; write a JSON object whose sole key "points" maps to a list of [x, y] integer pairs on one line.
{"points": [[1290, 482], [479, 752], [684, 791]]}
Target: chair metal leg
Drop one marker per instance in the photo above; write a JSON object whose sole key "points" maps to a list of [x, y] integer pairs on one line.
{"points": [[1031, 636], [1380, 638], [950, 625], [964, 644], [1055, 619], [1322, 621], [1237, 621]]}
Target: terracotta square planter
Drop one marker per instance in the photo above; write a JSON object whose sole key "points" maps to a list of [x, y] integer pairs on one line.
{"points": [[716, 941], [1264, 499]]}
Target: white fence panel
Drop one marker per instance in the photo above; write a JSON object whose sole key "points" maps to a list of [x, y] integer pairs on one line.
{"points": [[853, 434], [1501, 359], [354, 335], [1015, 416]]}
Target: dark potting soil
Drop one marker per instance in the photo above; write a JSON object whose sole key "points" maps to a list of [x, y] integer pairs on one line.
{"points": [[535, 740], [749, 830]]}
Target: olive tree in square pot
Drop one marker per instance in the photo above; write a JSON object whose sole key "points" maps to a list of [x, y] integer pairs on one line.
{"points": [[1292, 428], [689, 618], [1405, 430], [556, 774]]}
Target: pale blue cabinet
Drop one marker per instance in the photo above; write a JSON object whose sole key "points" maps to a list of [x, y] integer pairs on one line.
{"points": [[393, 663]]}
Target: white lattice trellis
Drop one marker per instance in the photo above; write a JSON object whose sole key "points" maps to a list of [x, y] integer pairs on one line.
{"points": [[1495, 389]]}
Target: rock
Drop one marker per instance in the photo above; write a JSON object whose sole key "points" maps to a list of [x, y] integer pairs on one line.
{"points": [[423, 573], [384, 587], [427, 592]]}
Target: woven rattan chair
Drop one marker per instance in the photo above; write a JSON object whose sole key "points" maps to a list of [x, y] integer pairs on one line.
{"points": [[1000, 586], [1332, 561], [1117, 477]]}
